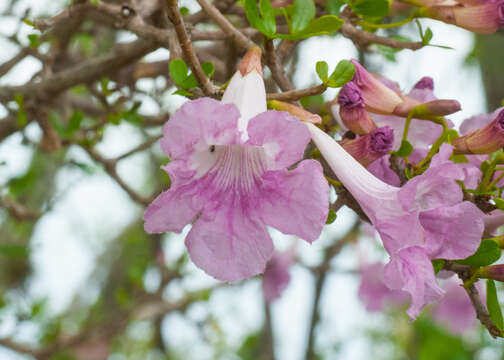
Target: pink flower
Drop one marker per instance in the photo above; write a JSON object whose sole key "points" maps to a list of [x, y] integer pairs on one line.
{"points": [[423, 220], [352, 110], [229, 176], [373, 291], [484, 140], [493, 221], [277, 277], [370, 147]]}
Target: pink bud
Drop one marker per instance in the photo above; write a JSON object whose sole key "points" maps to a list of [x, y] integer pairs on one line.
{"points": [[482, 141]]}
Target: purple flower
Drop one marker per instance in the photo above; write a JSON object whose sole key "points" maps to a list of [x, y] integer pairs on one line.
{"points": [[367, 148], [455, 309], [423, 220], [425, 83], [484, 140], [229, 176], [493, 221], [277, 277]]}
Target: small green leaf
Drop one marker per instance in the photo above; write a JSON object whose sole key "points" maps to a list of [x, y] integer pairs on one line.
{"points": [[29, 22], [499, 203], [184, 11], [493, 304], [405, 150], [371, 7], [488, 252], [427, 36], [265, 21], [22, 118], [34, 40], [304, 12], [182, 92], [104, 82], [75, 121], [321, 26], [343, 73], [178, 71], [322, 70], [437, 264], [208, 68], [331, 216], [189, 83], [15, 251], [334, 6]]}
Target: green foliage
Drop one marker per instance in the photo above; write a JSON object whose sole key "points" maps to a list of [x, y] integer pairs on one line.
{"points": [[343, 73], [334, 6], [371, 7], [263, 19], [493, 305], [437, 264], [405, 150], [34, 40], [331, 217], [488, 252], [181, 76], [323, 25], [304, 12], [21, 118], [499, 203], [251, 347], [72, 125], [322, 70]]}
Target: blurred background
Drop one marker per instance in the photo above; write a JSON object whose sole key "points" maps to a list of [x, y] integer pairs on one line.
{"points": [[80, 279]]}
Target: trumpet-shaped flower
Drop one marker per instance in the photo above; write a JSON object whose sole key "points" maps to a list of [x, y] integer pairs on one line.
{"points": [[484, 140], [229, 176], [423, 220]]}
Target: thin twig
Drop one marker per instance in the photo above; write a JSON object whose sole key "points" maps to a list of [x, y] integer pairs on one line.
{"points": [[294, 95]]}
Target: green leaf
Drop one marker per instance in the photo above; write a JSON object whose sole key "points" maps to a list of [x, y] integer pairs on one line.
{"points": [[488, 252], [343, 73], [104, 82], [189, 83], [334, 6], [499, 203], [331, 216], [304, 12], [322, 70], [265, 21], [321, 26], [34, 40], [75, 121], [22, 118], [405, 150], [16, 251], [493, 304], [427, 36], [208, 68], [437, 264], [182, 92], [371, 7], [178, 71]]}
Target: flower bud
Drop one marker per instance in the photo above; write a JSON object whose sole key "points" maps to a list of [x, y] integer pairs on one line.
{"points": [[296, 111], [251, 61], [482, 141], [370, 147], [377, 97], [480, 17], [352, 109], [425, 83], [495, 272]]}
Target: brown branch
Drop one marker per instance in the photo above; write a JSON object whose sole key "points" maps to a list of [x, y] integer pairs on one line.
{"points": [[363, 38], [176, 18], [141, 147], [464, 273], [276, 67], [294, 95], [238, 38]]}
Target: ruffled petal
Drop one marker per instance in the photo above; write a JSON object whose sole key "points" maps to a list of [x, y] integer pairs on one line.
{"points": [[296, 202], [199, 124], [411, 270], [229, 244], [400, 232], [277, 276], [381, 169], [282, 136], [453, 232]]}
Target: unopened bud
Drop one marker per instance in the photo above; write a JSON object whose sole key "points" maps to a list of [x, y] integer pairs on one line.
{"points": [[352, 109], [370, 147], [482, 141], [495, 272], [296, 111], [251, 61]]}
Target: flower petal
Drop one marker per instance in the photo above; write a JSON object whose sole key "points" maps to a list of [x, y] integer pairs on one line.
{"points": [[296, 202], [283, 137], [411, 270], [229, 245], [200, 123], [453, 232], [400, 232]]}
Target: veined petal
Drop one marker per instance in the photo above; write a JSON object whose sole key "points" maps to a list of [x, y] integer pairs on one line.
{"points": [[296, 201], [453, 232], [411, 270], [401, 232], [282, 136], [199, 124], [229, 245], [248, 94]]}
